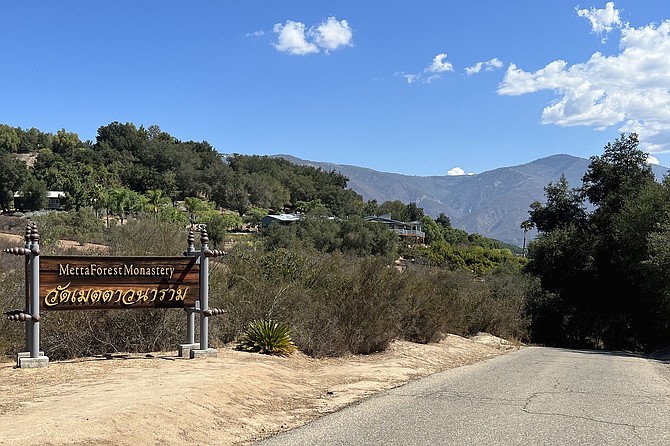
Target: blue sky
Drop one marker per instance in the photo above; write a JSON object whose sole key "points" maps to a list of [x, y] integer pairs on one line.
{"points": [[422, 88]]}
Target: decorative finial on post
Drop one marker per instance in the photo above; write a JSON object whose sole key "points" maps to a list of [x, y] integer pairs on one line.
{"points": [[34, 234], [204, 238], [190, 245], [35, 239], [26, 239]]}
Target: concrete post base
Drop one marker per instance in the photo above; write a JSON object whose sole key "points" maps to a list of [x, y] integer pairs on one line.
{"points": [[210, 352], [33, 363], [20, 355], [184, 350]]}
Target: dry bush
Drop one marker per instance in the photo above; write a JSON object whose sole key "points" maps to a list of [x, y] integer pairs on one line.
{"points": [[13, 224], [432, 304], [12, 296], [147, 237], [338, 304]]}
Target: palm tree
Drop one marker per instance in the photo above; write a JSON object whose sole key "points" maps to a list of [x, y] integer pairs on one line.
{"points": [[119, 201], [156, 200], [194, 206]]}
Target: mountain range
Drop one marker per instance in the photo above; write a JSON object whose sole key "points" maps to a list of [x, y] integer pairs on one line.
{"points": [[492, 203]]}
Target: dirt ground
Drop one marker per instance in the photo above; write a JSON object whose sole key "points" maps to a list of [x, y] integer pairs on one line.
{"points": [[86, 248], [233, 399]]}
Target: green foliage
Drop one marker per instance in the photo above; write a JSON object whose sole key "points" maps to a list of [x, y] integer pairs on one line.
{"points": [[396, 209], [199, 210], [563, 207], [331, 276], [82, 226], [353, 235], [173, 215], [599, 270], [480, 260], [219, 224], [254, 215], [9, 139], [33, 194], [12, 175], [157, 200], [267, 337]]}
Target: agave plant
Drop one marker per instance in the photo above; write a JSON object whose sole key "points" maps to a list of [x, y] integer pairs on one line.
{"points": [[267, 337]]}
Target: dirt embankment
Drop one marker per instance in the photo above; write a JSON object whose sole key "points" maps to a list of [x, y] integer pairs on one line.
{"points": [[233, 399], [86, 248]]}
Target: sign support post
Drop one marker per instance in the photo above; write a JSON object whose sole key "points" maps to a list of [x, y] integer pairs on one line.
{"points": [[184, 350], [205, 311], [29, 331], [35, 358]]}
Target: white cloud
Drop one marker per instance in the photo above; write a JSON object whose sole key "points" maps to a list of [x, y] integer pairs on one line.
{"points": [[434, 71], [292, 40], [332, 34], [489, 65], [260, 33], [602, 20], [630, 89], [439, 65], [295, 38], [456, 171], [652, 160], [411, 78]]}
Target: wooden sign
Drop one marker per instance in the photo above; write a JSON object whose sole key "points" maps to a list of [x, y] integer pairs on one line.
{"points": [[86, 282]]}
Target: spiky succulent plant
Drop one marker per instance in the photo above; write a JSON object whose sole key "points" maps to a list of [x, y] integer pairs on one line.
{"points": [[267, 337]]}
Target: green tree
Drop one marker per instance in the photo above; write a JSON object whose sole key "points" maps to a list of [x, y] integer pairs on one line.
{"points": [[198, 210], [563, 206], [395, 208], [120, 200], [34, 194], [596, 265], [9, 139], [12, 175], [443, 220], [621, 171], [432, 229], [157, 200]]}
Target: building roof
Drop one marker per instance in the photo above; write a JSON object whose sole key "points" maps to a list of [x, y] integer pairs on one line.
{"points": [[284, 217], [50, 194]]}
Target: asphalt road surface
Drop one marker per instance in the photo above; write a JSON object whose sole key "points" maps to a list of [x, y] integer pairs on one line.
{"points": [[535, 396]]}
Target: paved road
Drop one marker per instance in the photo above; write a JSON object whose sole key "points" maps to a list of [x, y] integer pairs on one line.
{"points": [[536, 396]]}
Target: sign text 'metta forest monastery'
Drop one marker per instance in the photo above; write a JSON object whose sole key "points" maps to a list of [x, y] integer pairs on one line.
{"points": [[126, 270]]}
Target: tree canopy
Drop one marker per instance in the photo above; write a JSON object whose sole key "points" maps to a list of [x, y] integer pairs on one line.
{"points": [[600, 269]]}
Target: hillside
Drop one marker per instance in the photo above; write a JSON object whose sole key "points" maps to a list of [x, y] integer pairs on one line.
{"points": [[492, 203]]}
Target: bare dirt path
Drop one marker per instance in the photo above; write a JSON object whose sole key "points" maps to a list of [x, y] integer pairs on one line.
{"points": [[234, 399]]}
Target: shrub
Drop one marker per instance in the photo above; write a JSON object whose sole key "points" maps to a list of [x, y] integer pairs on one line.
{"points": [[147, 237], [12, 296], [267, 337], [81, 226]]}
